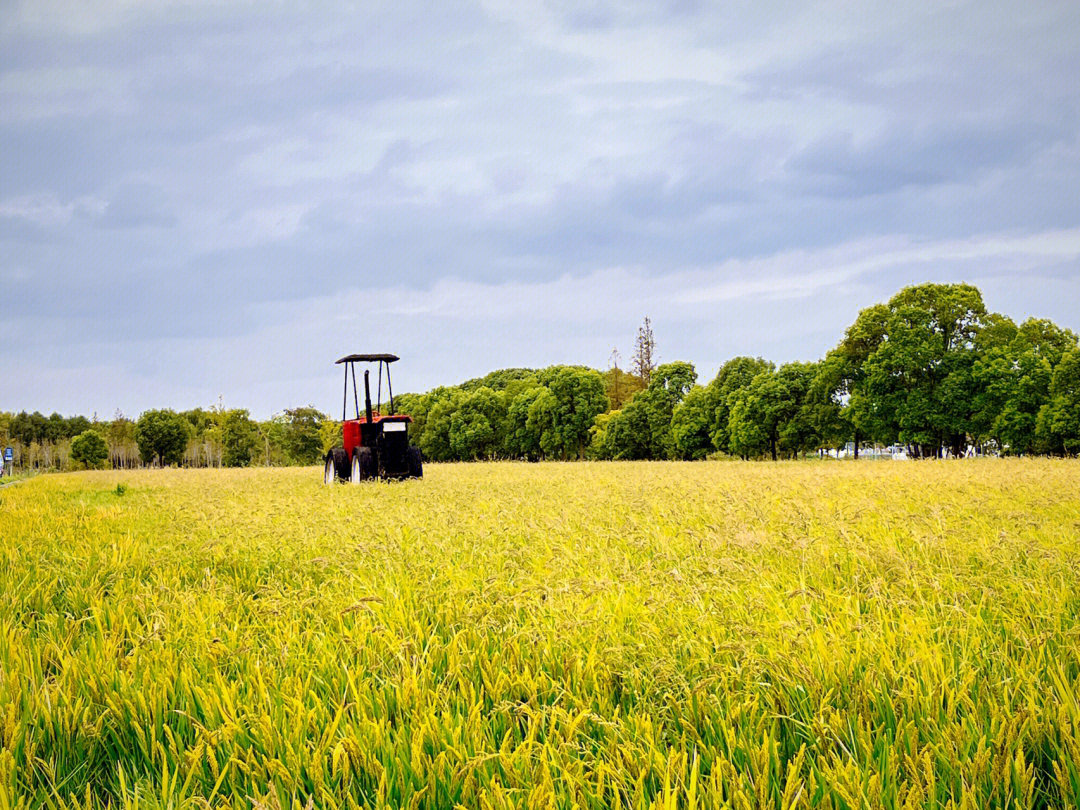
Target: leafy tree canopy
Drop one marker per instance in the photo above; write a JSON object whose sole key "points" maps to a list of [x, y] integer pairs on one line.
{"points": [[162, 436], [89, 449], [732, 377], [239, 438]]}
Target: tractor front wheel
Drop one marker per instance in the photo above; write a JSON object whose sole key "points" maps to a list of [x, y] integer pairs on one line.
{"points": [[329, 471]]}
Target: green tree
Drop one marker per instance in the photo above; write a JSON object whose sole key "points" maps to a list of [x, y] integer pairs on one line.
{"points": [[748, 436], [919, 385], [239, 438], [302, 439], [434, 440], [162, 436], [670, 384], [28, 428], [541, 422], [692, 420], [55, 428], [991, 374], [627, 434], [599, 444], [120, 436], [765, 414], [841, 381], [1059, 419], [1013, 378], [329, 435], [75, 426], [577, 397], [732, 377], [476, 425], [205, 446], [499, 380], [523, 436], [89, 449], [417, 406], [272, 441], [825, 409], [643, 429], [199, 420], [801, 432]]}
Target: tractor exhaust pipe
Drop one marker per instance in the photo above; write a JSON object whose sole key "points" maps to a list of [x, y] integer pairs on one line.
{"points": [[367, 398]]}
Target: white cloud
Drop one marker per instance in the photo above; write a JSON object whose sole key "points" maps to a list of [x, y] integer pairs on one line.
{"points": [[791, 305], [801, 273], [786, 306], [74, 18], [47, 210], [30, 95]]}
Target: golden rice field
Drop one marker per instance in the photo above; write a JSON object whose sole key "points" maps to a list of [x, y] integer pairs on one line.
{"points": [[835, 635]]}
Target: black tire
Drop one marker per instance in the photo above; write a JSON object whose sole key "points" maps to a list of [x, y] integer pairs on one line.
{"points": [[336, 466], [363, 465], [415, 461]]}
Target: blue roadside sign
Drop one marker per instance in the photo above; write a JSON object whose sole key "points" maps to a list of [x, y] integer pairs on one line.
{"points": [[9, 454]]}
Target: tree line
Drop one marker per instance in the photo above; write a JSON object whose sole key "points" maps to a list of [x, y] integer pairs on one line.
{"points": [[931, 370], [214, 437]]}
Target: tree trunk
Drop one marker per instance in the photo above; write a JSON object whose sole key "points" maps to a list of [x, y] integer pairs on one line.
{"points": [[959, 445], [772, 447], [856, 443]]}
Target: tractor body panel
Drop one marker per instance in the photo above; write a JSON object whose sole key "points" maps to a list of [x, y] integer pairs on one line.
{"points": [[359, 433], [388, 438]]}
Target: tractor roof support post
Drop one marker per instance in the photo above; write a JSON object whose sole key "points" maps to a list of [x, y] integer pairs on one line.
{"points": [[351, 360], [356, 399], [378, 395]]}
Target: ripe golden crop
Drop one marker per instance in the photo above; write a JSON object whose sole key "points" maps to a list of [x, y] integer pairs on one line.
{"points": [[789, 635]]}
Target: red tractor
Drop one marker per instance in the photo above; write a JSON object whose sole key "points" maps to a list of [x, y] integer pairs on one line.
{"points": [[375, 445]]}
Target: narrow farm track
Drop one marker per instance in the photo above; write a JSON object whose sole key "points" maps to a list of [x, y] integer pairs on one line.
{"points": [[786, 635]]}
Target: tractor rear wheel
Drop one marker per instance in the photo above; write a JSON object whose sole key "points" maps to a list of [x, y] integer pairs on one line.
{"points": [[363, 465], [415, 461], [337, 466]]}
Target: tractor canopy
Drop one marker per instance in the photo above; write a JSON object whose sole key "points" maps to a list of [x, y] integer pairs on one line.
{"points": [[371, 416], [368, 358]]}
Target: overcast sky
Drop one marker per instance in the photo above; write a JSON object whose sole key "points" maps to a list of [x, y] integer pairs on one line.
{"points": [[203, 199]]}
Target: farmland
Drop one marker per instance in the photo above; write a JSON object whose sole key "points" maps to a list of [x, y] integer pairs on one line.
{"points": [[597, 635]]}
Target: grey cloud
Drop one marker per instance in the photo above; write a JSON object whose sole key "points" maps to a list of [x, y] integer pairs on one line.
{"points": [[69, 161], [850, 72], [137, 205], [837, 166], [252, 163]]}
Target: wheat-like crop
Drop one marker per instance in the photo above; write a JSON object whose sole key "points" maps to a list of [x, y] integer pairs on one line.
{"points": [[835, 635]]}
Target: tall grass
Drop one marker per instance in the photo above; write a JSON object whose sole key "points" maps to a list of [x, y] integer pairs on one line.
{"points": [[591, 635]]}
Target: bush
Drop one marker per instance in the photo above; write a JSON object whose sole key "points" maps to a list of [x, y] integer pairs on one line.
{"points": [[162, 436], [89, 449]]}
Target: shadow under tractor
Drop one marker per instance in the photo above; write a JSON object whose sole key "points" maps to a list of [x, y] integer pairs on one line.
{"points": [[374, 445]]}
